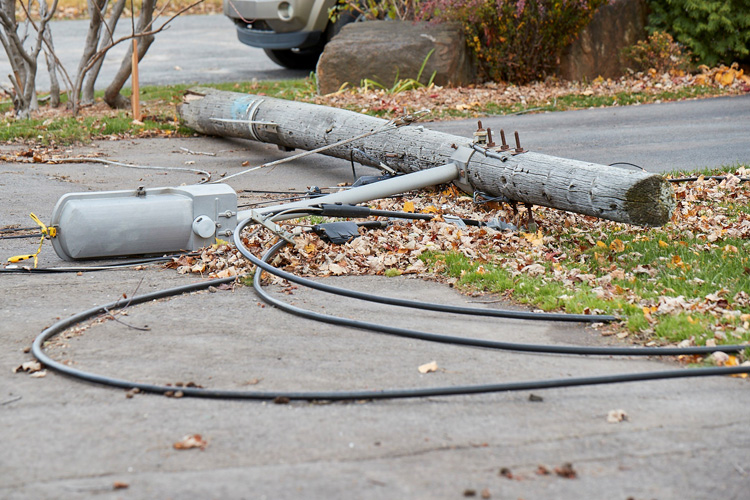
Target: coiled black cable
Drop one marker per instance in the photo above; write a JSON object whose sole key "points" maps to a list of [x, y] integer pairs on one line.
{"points": [[62, 325], [440, 338]]}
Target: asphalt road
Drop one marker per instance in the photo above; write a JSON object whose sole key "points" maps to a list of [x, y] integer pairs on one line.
{"points": [[685, 135], [192, 49]]}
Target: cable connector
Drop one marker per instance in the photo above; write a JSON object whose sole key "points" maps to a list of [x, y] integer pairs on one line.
{"points": [[341, 210], [49, 232]]}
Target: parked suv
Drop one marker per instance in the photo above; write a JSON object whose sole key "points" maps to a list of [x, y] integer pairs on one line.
{"points": [[292, 32]]}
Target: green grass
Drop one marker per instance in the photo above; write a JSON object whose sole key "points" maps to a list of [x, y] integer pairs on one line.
{"points": [[644, 266], [544, 294], [579, 101], [159, 107]]}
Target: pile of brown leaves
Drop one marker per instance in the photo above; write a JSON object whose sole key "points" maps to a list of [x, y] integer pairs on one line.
{"points": [[476, 97], [400, 245], [700, 221]]}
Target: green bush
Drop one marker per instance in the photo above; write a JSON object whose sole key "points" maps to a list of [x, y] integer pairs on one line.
{"points": [[371, 10], [515, 40], [716, 31], [660, 52]]}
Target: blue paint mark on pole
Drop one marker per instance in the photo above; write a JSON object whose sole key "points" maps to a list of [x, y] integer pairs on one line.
{"points": [[240, 107]]}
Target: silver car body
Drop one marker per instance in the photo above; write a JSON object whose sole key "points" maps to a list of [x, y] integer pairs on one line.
{"points": [[279, 24]]}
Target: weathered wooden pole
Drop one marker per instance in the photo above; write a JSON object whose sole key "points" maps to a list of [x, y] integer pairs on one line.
{"points": [[633, 197]]}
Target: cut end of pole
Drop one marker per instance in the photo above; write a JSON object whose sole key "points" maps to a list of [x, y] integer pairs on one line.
{"points": [[650, 202]]}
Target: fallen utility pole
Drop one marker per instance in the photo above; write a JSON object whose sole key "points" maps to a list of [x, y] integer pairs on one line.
{"points": [[632, 197]]}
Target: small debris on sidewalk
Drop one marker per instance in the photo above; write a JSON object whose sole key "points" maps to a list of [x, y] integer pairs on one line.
{"points": [[32, 366], [428, 367], [541, 470], [566, 470], [616, 416], [191, 441]]}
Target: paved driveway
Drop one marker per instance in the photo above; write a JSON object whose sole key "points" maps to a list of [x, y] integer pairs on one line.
{"points": [[63, 438]]}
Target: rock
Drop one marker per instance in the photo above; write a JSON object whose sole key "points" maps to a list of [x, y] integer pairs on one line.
{"points": [[386, 51], [596, 52]]}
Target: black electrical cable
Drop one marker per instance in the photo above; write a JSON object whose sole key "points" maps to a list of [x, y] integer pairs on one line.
{"points": [[19, 236], [682, 179], [627, 163], [440, 338], [360, 211], [105, 267], [16, 229], [264, 191], [59, 327], [713, 177]]}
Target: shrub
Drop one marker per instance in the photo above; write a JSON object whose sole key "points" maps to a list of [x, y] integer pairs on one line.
{"points": [[515, 40], [714, 30], [660, 52], [370, 10]]}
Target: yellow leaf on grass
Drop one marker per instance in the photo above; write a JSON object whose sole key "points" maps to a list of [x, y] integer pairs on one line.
{"points": [[535, 239], [617, 245], [409, 206], [663, 244], [601, 244]]}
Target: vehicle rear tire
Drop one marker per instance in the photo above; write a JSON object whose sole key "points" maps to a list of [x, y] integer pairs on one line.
{"points": [[308, 58], [296, 58]]}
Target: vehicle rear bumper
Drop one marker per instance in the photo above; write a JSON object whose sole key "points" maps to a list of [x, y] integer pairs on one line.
{"points": [[273, 40]]}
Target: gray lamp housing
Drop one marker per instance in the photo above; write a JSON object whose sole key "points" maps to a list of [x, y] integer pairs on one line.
{"points": [[143, 221]]}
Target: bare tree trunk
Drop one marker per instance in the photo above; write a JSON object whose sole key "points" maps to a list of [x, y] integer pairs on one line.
{"points": [[23, 61], [616, 194], [54, 84], [106, 38], [96, 14], [112, 95]]}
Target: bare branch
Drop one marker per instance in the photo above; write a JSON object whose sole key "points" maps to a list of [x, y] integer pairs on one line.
{"points": [[49, 46], [142, 34]]}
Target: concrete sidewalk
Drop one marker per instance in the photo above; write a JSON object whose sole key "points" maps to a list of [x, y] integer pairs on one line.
{"points": [[67, 439]]}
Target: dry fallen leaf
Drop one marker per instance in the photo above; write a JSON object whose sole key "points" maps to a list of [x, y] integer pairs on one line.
{"points": [[191, 441], [566, 470], [536, 239], [616, 416], [428, 367], [28, 367], [617, 245]]}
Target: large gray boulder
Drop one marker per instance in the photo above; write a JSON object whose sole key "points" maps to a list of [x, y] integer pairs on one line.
{"points": [[596, 52], [388, 50]]}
